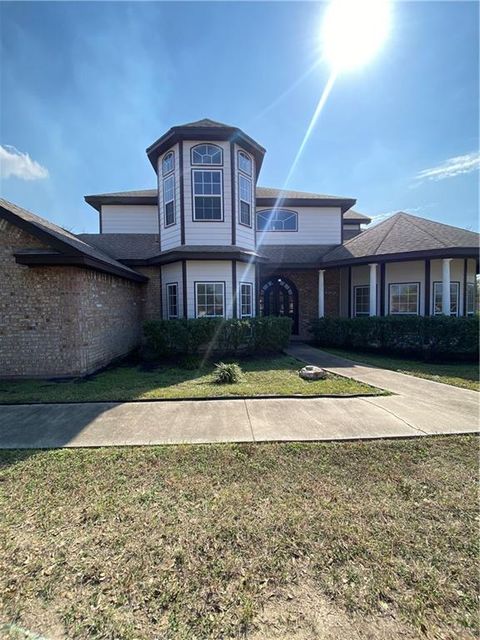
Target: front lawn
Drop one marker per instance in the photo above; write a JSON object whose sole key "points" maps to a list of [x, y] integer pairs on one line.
{"points": [[262, 376], [299, 541], [458, 374]]}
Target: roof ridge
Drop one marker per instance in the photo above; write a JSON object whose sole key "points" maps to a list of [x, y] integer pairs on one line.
{"points": [[427, 231], [394, 219]]}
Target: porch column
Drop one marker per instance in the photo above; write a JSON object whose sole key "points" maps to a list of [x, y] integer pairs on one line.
{"points": [[373, 288], [446, 286], [321, 293]]}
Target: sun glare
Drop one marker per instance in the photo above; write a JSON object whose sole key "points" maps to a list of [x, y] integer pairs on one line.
{"points": [[353, 31]]}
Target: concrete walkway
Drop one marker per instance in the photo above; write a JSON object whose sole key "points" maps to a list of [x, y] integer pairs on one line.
{"points": [[420, 407]]}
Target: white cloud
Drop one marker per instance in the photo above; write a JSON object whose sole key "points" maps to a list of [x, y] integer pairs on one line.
{"points": [[19, 164], [451, 167]]}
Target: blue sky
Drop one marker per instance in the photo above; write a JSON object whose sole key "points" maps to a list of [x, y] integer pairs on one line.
{"points": [[86, 87]]}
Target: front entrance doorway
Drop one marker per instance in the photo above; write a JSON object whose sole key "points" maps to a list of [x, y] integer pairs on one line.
{"points": [[279, 297]]}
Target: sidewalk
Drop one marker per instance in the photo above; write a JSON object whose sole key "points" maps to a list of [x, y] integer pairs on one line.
{"points": [[421, 407]]}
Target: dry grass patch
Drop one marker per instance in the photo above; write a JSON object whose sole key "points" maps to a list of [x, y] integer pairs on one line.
{"points": [[247, 541]]}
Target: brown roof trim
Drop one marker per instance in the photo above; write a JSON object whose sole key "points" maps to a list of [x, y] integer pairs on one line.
{"points": [[232, 134], [97, 201], [344, 204], [44, 258], [453, 252]]}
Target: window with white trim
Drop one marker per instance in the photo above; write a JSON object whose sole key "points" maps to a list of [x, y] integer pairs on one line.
{"points": [[361, 300], [245, 200], [404, 298], [438, 297], [277, 220], [169, 200], [207, 195], [209, 299], [168, 163], [172, 301], [246, 300], [207, 154], [471, 291], [244, 163]]}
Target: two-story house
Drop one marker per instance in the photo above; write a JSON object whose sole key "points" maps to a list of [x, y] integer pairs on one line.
{"points": [[208, 242]]}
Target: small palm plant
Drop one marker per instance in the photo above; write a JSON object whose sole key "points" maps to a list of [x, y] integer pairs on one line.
{"points": [[227, 373]]}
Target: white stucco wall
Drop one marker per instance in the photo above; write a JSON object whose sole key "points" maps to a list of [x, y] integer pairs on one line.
{"points": [[316, 225], [129, 218]]}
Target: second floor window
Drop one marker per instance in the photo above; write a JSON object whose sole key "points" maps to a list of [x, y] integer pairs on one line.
{"points": [[207, 154], [169, 200], [244, 163], [168, 163], [245, 197], [207, 195], [277, 220]]}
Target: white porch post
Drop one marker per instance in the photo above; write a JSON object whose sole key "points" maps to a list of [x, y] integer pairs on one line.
{"points": [[373, 288], [446, 286], [321, 293]]}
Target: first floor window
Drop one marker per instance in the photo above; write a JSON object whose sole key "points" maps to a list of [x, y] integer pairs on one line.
{"points": [[245, 193], [454, 297], [172, 301], [246, 300], [169, 200], [210, 299], [362, 301], [207, 195], [471, 298], [404, 298]]}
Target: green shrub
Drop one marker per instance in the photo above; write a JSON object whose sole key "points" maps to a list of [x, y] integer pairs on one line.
{"points": [[190, 363], [167, 338], [227, 373], [429, 337]]}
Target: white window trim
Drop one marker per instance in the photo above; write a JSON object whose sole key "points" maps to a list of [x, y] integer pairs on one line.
{"points": [[403, 313], [437, 283], [263, 211], [470, 312], [206, 164], [202, 282], [362, 314], [168, 286], [202, 195], [250, 286], [171, 176], [240, 200]]}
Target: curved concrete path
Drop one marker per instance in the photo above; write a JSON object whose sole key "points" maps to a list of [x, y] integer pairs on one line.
{"points": [[420, 407]]}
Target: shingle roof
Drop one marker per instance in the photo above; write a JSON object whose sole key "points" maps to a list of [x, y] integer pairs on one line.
{"points": [[404, 233], [355, 216], [301, 255], [271, 192], [206, 122], [62, 241], [125, 246]]}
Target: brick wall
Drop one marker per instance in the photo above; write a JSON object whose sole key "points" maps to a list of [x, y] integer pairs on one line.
{"points": [[152, 292], [61, 321], [307, 285]]}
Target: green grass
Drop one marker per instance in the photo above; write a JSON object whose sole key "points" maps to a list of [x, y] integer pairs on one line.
{"points": [[266, 376], [458, 374], [366, 539]]}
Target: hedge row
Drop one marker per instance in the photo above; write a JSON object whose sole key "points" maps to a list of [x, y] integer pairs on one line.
{"points": [[190, 337], [429, 337]]}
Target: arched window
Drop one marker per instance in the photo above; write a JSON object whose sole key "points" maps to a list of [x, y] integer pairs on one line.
{"points": [[207, 154], [168, 163], [277, 220], [244, 163]]}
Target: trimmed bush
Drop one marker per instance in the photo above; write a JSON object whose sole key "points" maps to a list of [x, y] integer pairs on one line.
{"points": [[429, 337], [227, 373], [166, 338]]}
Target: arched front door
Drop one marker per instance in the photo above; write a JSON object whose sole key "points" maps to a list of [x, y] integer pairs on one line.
{"points": [[279, 297]]}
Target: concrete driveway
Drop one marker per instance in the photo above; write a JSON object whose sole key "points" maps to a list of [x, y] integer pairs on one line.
{"points": [[420, 407]]}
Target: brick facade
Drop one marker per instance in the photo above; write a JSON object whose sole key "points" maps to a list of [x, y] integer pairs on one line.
{"points": [[306, 282], [61, 321]]}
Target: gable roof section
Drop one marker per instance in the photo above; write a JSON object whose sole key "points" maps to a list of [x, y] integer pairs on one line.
{"points": [[204, 129], [66, 247], [269, 197], [405, 235]]}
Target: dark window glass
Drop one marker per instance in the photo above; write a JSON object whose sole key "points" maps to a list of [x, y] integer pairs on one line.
{"points": [[172, 301]]}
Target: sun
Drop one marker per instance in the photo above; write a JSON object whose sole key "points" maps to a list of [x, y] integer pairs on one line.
{"points": [[353, 31]]}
